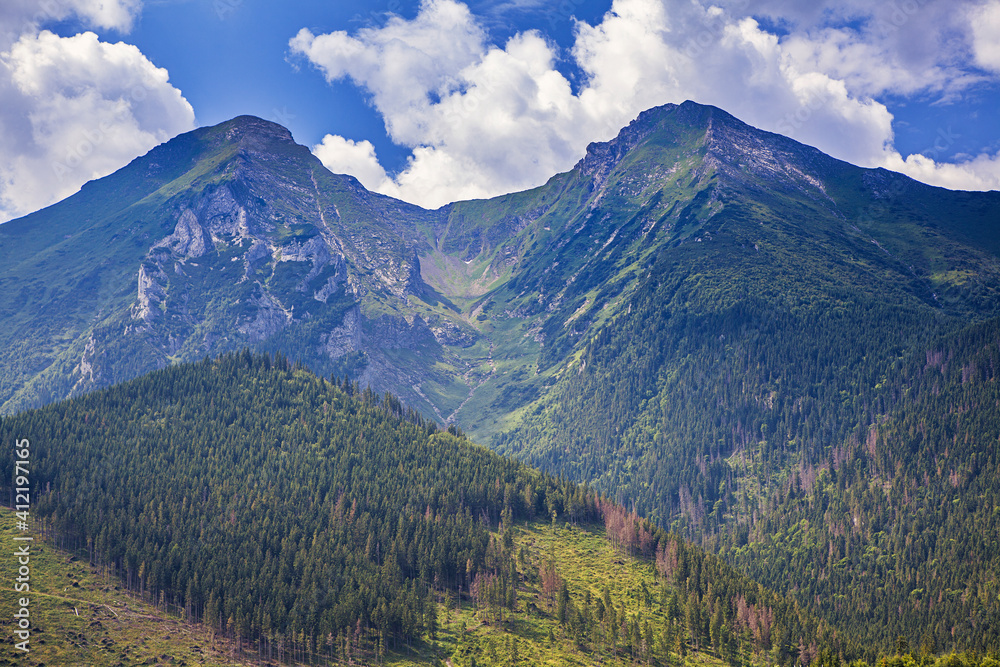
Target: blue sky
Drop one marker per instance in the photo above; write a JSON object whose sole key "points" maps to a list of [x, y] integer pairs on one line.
{"points": [[441, 100]]}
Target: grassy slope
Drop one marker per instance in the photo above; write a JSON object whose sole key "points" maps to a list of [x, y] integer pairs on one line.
{"points": [[115, 628], [80, 617], [587, 562]]}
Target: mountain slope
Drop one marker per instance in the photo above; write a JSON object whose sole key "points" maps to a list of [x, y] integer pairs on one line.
{"points": [[695, 315], [310, 520], [223, 237], [762, 335], [901, 524]]}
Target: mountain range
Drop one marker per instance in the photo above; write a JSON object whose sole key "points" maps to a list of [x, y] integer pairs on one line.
{"points": [[787, 358]]}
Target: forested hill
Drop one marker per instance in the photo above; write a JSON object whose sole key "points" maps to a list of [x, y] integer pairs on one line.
{"points": [[269, 502], [299, 516]]}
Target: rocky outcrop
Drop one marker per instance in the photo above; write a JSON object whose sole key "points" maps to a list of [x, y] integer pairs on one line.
{"points": [[151, 294], [447, 332], [188, 238], [86, 367], [333, 282], [223, 215], [344, 338], [314, 250], [270, 318], [395, 333]]}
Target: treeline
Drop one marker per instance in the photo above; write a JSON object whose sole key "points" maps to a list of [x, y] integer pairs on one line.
{"points": [[299, 515], [305, 518], [705, 604]]}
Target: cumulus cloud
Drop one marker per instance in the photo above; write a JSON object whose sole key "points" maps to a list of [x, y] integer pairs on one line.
{"points": [[483, 119], [19, 17], [898, 47], [344, 156], [76, 108], [979, 173]]}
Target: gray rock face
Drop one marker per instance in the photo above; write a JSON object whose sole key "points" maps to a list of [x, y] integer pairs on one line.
{"points": [[188, 238], [270, 318], [344, 338], [333, 282], [395, 333], [223, 215], [447, 332], [151, 294]]}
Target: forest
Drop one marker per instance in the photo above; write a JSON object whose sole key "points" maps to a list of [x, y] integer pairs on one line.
{"points": [[827, 444], [303, 517]]}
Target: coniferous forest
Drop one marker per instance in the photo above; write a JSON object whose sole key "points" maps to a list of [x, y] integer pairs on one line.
{"points": [[285, 510]]}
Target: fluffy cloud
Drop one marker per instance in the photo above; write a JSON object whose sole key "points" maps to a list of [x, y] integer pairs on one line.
{"points": [[344, 156], [985, 22], [979, 173], [482, 119], [76, 108], [19, 17], [896, 47]]}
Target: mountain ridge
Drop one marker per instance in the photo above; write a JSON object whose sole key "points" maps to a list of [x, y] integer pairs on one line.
{"points": [[693, 316]]}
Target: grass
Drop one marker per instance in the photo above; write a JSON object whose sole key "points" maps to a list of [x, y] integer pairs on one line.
{"points": [[81, 618], [587, 562]]}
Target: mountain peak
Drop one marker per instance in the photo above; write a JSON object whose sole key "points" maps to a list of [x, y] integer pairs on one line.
{"points": [[251, 126]]}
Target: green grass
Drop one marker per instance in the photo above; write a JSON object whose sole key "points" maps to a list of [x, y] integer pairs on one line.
{"points": [[587, 562], [82, 617], [80, 614]]}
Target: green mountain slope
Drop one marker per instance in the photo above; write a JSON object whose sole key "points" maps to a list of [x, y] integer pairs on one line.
{"points": [[758, 338], [80, 615], [695, 315], [902, 524], [304, 520], [221, 238]]}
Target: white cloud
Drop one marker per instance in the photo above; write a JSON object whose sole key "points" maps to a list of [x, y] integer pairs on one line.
{"points": [[19, 17], [482, 119], [979, 173], [76, 108], [344, 156], [897, 47], [985, 22]]}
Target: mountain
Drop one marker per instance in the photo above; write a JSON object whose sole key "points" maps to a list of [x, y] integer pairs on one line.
{"points": [[702, 320], [221, 238]]}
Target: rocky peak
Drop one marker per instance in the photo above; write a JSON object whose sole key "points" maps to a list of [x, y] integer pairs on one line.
{"points": [[251, 129], [739, 152], [602, 157]]}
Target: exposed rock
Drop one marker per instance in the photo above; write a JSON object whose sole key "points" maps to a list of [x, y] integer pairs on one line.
{"points": [[334, 281], [394, 333], [447, 332], [223, 215], [151, 294], [344, 338], [270, 319], [258, 251], [188, 238], [314, 250], [85, 368]]}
